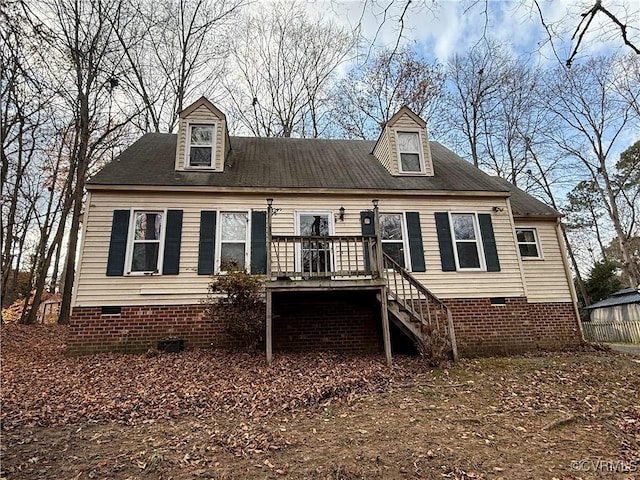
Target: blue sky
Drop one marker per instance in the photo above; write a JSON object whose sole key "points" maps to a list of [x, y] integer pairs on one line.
{"points": [[443, 28]]}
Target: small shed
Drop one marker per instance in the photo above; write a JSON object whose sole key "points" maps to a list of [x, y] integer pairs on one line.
{"points": [[615, 319], [621, 306]]}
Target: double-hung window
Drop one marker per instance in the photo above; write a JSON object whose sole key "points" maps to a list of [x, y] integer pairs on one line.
{"points": [[468, 253], [146, 241], [410, 152], [233, 240], [528, 242], [393, 237], [201, 145]]}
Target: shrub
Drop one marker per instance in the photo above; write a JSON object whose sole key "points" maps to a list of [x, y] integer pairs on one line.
{"points": [[435, 347], [237, 298]]}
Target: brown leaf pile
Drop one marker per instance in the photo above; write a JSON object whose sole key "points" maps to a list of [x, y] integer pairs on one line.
{"points": [[40, 386]]}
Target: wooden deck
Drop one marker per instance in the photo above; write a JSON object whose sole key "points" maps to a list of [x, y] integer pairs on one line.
{"points": [[356, 262]]}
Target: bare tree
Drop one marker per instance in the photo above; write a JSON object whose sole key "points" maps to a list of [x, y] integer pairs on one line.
{"points": [[174, 51], [476, 80], [23, 113], [584, 211], [84, 65], [591, 118], [371, 93], [282, 64]]}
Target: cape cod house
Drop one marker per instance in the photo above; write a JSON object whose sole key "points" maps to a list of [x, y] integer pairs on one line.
{"points": [[362, 244]]}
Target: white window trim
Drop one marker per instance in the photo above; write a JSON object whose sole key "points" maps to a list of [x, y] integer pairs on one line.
{"points": [[478, 242], [537, 242], [420, 152], [187, 149], [405, 238], [298, 250], [328, 213], [247, 240], [131, 235]]}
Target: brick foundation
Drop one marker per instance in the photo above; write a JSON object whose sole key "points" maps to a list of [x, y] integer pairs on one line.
{"points": [[337, 321], [514, 327], [136, 329]]}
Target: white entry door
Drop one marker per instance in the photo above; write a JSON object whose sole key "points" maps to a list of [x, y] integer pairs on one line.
{"points": [[314, 257]]}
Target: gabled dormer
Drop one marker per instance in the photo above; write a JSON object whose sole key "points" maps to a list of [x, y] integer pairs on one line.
{"points": [[203, 138], [403, 145]]}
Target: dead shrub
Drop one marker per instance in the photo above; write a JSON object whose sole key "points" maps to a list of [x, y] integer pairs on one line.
{"points": [[435, 347], [237, 298]]}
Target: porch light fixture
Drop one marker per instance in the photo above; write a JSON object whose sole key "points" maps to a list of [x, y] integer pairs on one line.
{"points": [[269, 202], [497, 209], [341, 214], [375, 202]]}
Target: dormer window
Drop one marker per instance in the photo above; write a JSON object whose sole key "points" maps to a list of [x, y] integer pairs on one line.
{"points": [[410, 152], [201, 145]]}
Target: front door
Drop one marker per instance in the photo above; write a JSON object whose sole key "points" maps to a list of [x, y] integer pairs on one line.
{"points": [[314, 256]]}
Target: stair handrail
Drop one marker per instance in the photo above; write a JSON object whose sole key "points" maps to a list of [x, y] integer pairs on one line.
{"points": [[390, 265]]}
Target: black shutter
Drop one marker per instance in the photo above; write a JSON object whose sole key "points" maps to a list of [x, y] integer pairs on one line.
{"points": [[118, 243], [416, 250], [367, 221], [258, 242], [489, 242], [443, 228], [172, 241], [206, 248]]}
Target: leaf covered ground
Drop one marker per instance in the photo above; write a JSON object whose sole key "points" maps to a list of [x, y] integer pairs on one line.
{"points": [[221, 415]]}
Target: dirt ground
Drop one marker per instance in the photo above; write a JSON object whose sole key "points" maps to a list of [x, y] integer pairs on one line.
{"points": [[218, 415]]}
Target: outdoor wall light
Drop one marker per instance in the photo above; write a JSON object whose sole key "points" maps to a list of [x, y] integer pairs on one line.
{"points": [[341, 214], [497, 209], [375, 202], [269, 202]]}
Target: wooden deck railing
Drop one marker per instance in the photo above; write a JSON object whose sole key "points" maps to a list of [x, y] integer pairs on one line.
{"points": [[336, 257]]}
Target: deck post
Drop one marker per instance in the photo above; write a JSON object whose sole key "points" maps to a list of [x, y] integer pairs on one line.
{"points": [[269, 334], [386, 336], [268, 293], [452, 335]]}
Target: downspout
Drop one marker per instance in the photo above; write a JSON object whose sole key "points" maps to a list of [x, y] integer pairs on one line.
{"points": [[76, 284], [567, 271]]}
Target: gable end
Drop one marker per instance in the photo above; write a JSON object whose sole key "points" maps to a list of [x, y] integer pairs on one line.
{"points": [[203, 138], [403, 146]]}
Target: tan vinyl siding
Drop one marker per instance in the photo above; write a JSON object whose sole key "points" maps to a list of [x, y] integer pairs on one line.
{"points": [[383, 153], [94, 288], [204, 115], [545, 278], [406, 124]]}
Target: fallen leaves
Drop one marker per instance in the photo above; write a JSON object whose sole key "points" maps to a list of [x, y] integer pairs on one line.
{"points": [[222, 415], [42, 387]]}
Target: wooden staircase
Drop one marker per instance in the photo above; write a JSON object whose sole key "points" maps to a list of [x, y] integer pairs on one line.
{"points": [[418, 313]]}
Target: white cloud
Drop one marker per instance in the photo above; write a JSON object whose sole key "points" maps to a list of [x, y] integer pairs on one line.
{"points": [[442, 28]]}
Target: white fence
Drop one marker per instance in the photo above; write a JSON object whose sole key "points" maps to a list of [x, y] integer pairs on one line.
{"points": [[625, 332]]}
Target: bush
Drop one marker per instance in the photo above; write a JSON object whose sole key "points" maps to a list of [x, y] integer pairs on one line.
{"points": [[237, 298], [435, 347]]}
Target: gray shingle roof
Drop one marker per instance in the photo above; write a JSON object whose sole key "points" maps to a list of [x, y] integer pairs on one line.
{"points": [[525, 205], [305, 164], [289, 163], [621, 297]]}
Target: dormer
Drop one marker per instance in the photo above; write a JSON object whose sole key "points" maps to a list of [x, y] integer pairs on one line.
{"points": [[203, 139], [403, 145]]}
